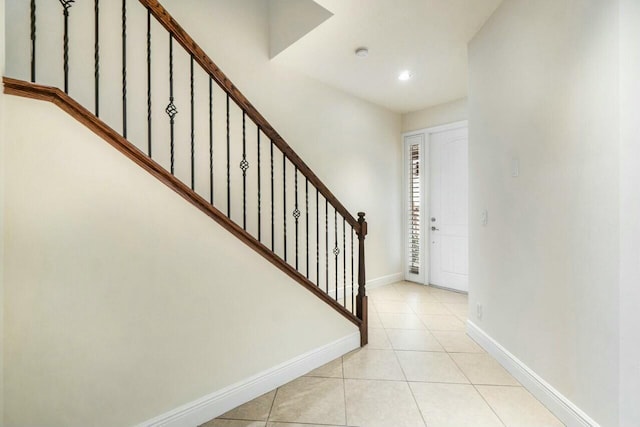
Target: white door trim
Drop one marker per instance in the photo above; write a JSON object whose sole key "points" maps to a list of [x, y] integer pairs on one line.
{"points": [[427, 132], [439, 128]]}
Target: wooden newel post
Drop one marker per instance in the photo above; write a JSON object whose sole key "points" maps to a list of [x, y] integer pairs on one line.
{"points": [[361, 299]]}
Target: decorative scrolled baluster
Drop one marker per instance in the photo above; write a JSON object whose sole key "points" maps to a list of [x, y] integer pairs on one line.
{"points": [[336, 249], [171, 109], [296, 213], [244, 166]]}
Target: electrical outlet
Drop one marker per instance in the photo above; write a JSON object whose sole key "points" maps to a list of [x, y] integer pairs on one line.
{"points": [[479, 311], [484, 217]]}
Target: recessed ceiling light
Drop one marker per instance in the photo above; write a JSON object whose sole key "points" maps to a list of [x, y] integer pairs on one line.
{"points": [[362, 52], [405, 75]]}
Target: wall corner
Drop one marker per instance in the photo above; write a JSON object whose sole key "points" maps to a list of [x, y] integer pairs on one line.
{"points": [[629, 318], [2, 181]]}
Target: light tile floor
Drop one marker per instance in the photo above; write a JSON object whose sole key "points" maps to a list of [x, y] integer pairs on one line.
{"points": [[419, 369]]}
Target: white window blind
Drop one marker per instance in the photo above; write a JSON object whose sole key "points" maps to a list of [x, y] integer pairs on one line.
{"points": [[415, 221]]}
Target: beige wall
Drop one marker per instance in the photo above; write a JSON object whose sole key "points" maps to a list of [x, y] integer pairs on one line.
{"points": [[442, 114], [123, 301], [546, 266], [629, 214]]}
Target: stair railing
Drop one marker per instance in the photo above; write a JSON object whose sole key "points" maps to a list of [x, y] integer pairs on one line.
{"points": [[224, 156]]}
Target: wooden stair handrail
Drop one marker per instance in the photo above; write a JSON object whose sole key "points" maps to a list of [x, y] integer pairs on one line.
{"points": [[179, 34], [100, 128]]}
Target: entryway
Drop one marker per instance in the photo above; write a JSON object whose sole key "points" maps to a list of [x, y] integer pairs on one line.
{"points": [[436, 200]]}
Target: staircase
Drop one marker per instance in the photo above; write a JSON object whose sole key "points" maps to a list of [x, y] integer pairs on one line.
{"points": [[201, 137]]}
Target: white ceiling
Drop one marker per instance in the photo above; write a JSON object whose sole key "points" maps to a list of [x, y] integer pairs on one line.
{"points": [[428, 37]]}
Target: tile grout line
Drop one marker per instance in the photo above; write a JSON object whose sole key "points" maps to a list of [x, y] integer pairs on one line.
{"points": [[406, 381], [474, 386], [424, 420], [489, 405], [344, 390], [273, 402]]}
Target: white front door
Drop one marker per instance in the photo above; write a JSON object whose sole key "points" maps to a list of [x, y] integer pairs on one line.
{"points": [[448, 210]]}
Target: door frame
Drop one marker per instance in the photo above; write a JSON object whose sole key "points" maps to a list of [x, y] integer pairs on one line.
{"points": [[426, 209]]}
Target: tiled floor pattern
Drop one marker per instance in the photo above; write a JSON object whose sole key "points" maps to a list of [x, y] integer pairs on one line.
{"points": [[419, 369]]}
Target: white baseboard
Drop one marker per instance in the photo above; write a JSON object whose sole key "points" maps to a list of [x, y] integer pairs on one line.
{"points": [[563, 408], [384, 280], [371, 284], [217, 403]]}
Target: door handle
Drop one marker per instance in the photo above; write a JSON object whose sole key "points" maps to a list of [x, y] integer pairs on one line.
{"points": [[435, 229]]}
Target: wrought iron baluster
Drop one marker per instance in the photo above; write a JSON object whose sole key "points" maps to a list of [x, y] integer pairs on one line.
{"points": [[336, 249], [344, 262], [352, 284], [211, 139], [171, 109], [66, 5], [273, 240], [244, 165], [326, 244], [124, 68], [228, 163], [306, 213], [193, 137], [284, 201], [96, 55], [296, 212], [259, 188], [32, 18], [149, 122], [317, 237]]}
